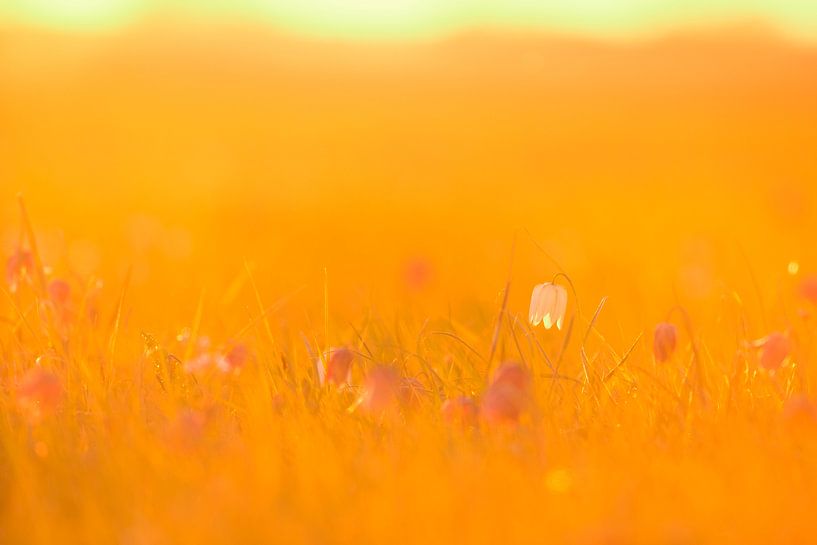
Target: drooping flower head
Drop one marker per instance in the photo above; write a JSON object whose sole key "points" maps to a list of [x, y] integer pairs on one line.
{"points": [[808, 288], [514, 375], [664, 341], [230, 359], [385, 392], [417, 273], [59, 291], [19, 267], [548, 304], [39, 394], [508, 396], [381, 391], [234, 359], [200, 363], [774, 349], [338, 366]]}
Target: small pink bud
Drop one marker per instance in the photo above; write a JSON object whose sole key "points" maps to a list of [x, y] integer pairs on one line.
{"points": [[808, 288], [235, 358], [200, 363], [381, 390], [774, 349], [339, 366], [18, 267], [513, 374], [39, 394], [59, 291], [509, 395], [417, 273], [664, 341]]}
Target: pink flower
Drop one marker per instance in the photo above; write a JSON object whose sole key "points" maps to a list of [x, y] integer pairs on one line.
{"points": [[59, 291], [381, 391], [233, 360], [19, 267], [808, 288], [230, 362], [338, 366], [39, 394], [417, 273], [513, 374], [774, 349], [548, 304], [664, 341], [508, 396], [200, 363]]}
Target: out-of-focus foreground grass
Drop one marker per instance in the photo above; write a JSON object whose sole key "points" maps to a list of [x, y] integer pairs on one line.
{"points": [[220, 189]]}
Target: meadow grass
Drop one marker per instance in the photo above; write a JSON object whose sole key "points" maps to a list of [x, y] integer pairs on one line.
{"points": [[174, 436], [203, 241]]}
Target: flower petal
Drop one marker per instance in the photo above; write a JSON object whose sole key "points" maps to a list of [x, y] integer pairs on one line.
{"points": [[560, 306], [534, 316], [546, 300]]}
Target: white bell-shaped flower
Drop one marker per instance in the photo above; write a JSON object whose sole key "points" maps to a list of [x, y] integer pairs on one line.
{"points": [[548, 304]]}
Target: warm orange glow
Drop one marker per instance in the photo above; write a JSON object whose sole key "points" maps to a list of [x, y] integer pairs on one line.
{"points": [[188, 187]]}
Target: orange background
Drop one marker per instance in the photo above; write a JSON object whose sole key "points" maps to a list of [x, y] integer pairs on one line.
{"points": [[675, 164], [678, 170]]}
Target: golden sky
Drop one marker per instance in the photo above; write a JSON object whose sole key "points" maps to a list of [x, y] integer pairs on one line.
{"points": [[422, 18]]}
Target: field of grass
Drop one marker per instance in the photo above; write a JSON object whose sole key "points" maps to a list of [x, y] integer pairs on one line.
{"points": [[201, 228]]}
